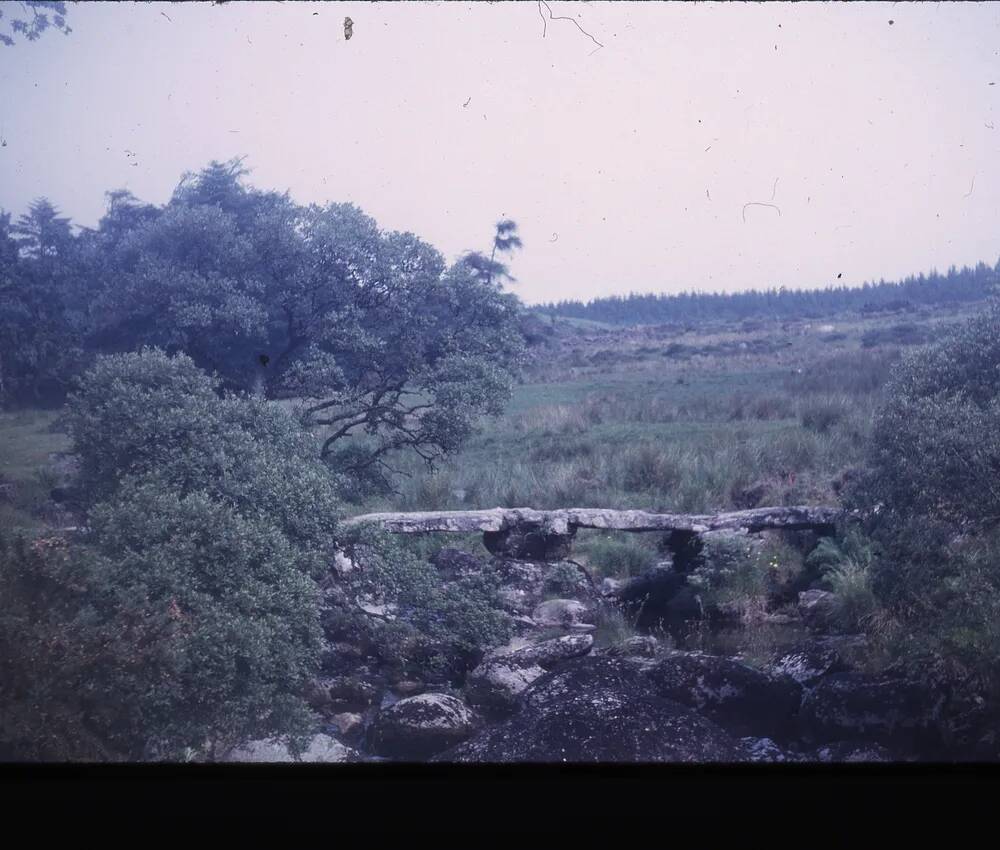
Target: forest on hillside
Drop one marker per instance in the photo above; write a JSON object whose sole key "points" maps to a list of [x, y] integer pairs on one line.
{"points": [[956, 286]]}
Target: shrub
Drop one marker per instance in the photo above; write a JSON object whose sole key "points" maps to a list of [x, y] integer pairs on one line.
{"points": [[931, 497], [617, 556], [188, 614], [743, 576], [731, 577], [903, 334], [176, 626], [821, 415], [563, 578], [648, 468], [437, 627]]}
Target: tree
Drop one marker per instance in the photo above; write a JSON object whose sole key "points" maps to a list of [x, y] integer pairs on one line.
{"points": [[369, 327], [32, 28], [505, 240], [41, 305]]}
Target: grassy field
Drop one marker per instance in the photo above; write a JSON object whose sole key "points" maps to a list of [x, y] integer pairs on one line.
{"points": [[663, 417], [701, 420], [28, 471]]}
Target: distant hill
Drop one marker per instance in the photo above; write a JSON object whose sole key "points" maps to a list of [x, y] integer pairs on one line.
{"points": [[955, 286]]}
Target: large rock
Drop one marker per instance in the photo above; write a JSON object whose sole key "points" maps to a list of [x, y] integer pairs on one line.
{"points": [[739, 698], [810, 663], [845, 751], [597, 710], [651, 598], [322, 748], [495, 685], [767, 751], [638, 646], [854, 707], [817, 608], [522, 585], [350, 693], [454, 564], [548, 652], [563, 613], [417, 727]]}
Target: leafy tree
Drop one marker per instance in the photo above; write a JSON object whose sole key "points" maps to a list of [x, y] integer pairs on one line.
{"points": [[41, 305], [32, 28], [370, 328], [505, 240]]}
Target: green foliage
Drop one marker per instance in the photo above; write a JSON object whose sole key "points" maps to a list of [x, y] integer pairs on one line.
{"points": [[956, 286], [147, 415], [41, 305], [936, 442], [440, 627], [741, 576], [390, 350], [33, 27], [617, 556], [562, 579], [188, 615], [931, 498], [176, 625]]}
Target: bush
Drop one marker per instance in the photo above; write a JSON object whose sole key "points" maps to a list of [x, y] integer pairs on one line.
{"points": [[438, 628], [177, 626], [647, 468], [743, 576], [188, 614], [931, 497], [620, 557]]}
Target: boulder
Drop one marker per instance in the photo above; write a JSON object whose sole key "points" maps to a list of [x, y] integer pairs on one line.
{"points": [[322, 748], [809, 664], [659, 596], [845, 751], [596, 709], [454, 564], [548, 652], [563, 613], [640, 646], [766, 750], [739, 698], [817, 608], [522, 585], [611, 586], [890, 711], [408, 687], [347, 724], [350, 693], [417, 727], [495, 685]]}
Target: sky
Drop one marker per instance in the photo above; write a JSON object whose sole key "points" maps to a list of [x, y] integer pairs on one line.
{"points": [[626, 139]]}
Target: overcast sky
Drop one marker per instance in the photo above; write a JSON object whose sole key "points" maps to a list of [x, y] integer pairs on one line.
{"points": [[873, 128]]}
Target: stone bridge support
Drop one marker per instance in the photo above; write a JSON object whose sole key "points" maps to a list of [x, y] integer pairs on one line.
{"points": [[527, 534]]}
